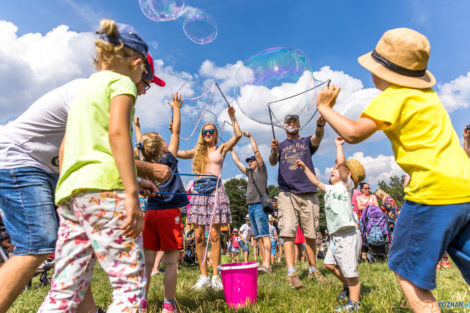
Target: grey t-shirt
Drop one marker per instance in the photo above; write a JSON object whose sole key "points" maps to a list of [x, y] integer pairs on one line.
{"points": [[260, 177], [34, 138]]}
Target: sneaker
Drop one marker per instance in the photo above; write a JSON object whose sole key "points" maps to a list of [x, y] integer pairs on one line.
{"points": [[264, 269], [343, 295], [445, 264], [349, 306], [170, 309], [317, 276], [217, 283], [294, 281], [202, 282]]}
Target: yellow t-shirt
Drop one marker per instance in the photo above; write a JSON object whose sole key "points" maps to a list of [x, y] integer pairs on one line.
{"points": [[425, 144], [88, 162]]}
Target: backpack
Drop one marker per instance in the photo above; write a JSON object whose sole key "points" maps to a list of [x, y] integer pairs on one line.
{"points": [[375, 237]]}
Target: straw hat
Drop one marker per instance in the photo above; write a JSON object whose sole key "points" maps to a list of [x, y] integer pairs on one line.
{"points": [[357, 171], [401, 57]]}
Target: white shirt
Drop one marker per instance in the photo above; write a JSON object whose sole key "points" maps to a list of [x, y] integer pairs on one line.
{"points": [[246, 232], [34, 138]]}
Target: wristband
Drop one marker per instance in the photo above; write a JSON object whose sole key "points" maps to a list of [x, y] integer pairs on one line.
{"points": [[139, 179], [320, 126]]}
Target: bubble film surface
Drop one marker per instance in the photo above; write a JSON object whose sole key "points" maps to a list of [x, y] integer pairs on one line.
{"points": [[200, 27], [162, 10], [277, 79]]}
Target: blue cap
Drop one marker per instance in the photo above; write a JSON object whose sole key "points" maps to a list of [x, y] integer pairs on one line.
{"points": [[252, 158], [129, 37]]}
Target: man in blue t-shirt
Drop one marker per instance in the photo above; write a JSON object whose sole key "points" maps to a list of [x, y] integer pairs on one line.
{"points": [[298, 202]]}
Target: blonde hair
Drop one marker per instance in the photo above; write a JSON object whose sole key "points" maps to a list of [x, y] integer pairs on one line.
{"points": [[381, 194], [107, 52], [153, 147], [201, 156]]}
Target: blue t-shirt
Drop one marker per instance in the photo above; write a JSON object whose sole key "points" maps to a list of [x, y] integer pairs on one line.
{"points": [[290, 177], [174, 184]]}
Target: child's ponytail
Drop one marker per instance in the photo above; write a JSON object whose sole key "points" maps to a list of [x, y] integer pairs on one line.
{"points": [[107, 49]]}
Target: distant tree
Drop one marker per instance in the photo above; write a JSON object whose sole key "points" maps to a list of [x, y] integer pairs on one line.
{"points": [[236, 192], [321, 197], [273, 191], [394, 187]]}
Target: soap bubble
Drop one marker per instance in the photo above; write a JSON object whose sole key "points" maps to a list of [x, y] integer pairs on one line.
{"points": [[162, 10], [197, 99], [279, 79], [199, 26]]}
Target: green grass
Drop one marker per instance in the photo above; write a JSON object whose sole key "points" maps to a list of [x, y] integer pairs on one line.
{"points": [[380, 292]]}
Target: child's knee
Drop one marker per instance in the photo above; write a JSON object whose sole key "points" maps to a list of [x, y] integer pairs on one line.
{"points": [[352, 281], [199, 239]]}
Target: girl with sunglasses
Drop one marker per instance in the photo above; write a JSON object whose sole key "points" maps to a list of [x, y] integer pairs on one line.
{"points": [[208, 159]]}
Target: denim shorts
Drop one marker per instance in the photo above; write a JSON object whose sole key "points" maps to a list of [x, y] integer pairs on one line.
{"points": [[422, 234], [258, 220], [28, 211]]}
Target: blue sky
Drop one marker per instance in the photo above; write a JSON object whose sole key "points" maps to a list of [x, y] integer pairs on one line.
{"points": [[331, 34]]}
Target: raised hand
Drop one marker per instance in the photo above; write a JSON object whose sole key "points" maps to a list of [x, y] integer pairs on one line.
{"points": [[339, 141], [247, 134], [327, 96], [275, 145], [136, 122], [176, 101], [231, 112]]}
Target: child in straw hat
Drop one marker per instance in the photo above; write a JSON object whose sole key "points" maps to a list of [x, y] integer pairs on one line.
{"points": [[426, 147], [345, 239]]}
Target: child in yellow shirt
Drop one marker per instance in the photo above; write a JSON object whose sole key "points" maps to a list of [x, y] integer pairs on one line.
{"points": [[436, 213]]}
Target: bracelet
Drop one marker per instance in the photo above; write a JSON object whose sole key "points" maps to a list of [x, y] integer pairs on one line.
{"points": [[139, 179], [320, 126]]}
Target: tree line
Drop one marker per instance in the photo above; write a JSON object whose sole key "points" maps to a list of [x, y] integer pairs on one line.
{"points": [[236, 192]]}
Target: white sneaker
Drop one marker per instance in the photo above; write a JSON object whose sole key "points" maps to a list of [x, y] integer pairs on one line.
{"points": [[202, 282], [217, 283]]}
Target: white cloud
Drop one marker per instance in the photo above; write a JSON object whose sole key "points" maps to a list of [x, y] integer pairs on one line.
{"points": [[378, 168], [33, 64], [456, 93], [238, 176]]}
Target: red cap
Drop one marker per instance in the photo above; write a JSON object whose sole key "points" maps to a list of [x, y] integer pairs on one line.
{"points": [[150, 75]]}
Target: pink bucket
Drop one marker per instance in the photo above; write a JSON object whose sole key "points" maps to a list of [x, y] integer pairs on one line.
{"points": [[240, 282]]}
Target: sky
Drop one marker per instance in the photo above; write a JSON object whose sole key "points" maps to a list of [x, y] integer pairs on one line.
{"points": [[44, 44]]}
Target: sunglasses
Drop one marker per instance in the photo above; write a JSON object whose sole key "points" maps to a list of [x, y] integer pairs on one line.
{"points": [[208, 131], [147, 86]]}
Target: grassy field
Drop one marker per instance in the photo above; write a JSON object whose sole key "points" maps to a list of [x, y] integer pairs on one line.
{"points": [[380, 292]]}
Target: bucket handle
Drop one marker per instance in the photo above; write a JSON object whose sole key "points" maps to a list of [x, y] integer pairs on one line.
{"points": [[237, 267]]}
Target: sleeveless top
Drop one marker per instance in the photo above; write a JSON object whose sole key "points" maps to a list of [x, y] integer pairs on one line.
{"points": [[365, 202], [216, 160]]}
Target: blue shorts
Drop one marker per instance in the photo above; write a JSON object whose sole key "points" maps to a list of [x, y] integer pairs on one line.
{"points": [[258, 220], [28, 211], [422, 234], [235, 250], [243, 246], [273, 247]]}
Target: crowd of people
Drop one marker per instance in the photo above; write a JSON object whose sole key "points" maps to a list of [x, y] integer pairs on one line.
{"points": [[73, 148]]}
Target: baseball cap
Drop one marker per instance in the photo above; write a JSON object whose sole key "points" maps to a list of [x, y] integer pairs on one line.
{"points": [[129, 38], [150, 74], [252, 158]]}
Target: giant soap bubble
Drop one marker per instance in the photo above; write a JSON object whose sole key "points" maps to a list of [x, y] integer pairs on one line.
{"points": [[197, 99], [199, 26], [276, 82], [162, 10]]}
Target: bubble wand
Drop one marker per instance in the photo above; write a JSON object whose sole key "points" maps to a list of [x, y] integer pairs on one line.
{"points": [[228, 104], [271, 118]]}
